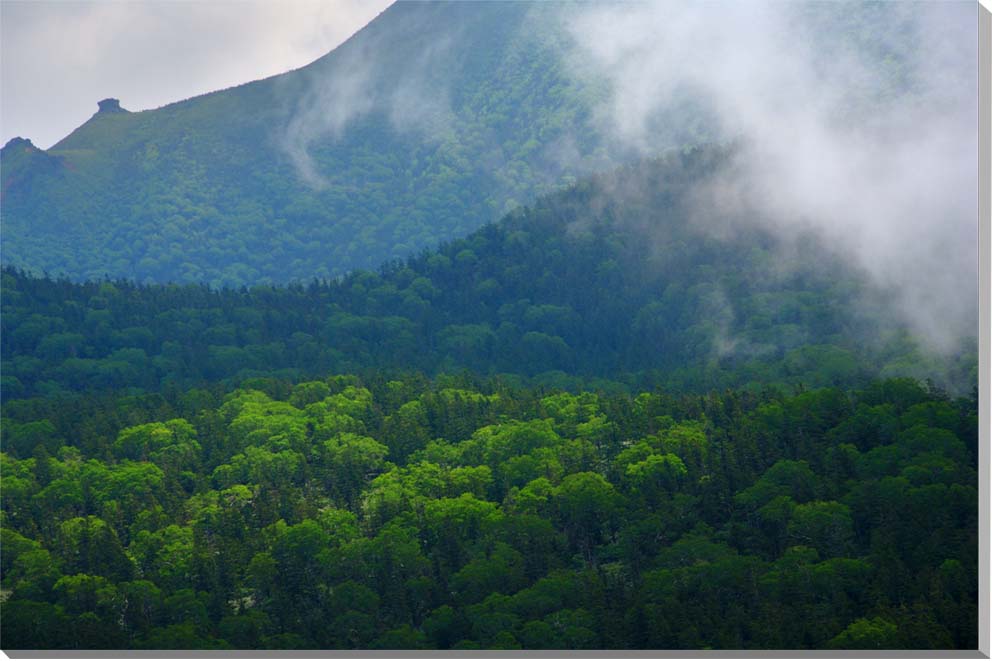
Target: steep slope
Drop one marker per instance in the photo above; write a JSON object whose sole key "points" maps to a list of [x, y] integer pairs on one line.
{"points": [[422, 127], [433, 120], [617, 278]]}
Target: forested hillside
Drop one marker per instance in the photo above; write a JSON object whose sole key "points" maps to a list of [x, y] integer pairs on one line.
{"points": [[462, 514], [610, 280], [427, 124], [180, 472], [430, 122]]}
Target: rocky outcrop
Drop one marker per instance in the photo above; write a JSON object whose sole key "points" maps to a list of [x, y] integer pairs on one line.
{"points": [[110, 105]]}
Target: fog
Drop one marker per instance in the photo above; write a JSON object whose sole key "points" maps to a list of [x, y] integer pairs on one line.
{"points": [[868, 137], [857, 122], [363, 78]]}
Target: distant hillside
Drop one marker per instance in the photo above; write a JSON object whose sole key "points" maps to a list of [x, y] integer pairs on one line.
{"points": [[607, 280], [426, 124], [433, 120]]}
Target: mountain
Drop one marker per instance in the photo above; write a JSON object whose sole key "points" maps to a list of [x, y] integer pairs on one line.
{"points": [[426, 124], [616, 278], [433, 120]]}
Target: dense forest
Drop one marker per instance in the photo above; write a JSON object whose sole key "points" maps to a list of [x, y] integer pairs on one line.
{"points": [[467, 514], [594, 424], [608, 285]]}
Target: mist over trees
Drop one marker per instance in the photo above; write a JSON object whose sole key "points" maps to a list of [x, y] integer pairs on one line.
{"points": [[607, 281]]}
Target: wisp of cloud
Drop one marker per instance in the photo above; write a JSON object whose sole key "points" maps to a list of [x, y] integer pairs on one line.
{"points": [[858, 122]]}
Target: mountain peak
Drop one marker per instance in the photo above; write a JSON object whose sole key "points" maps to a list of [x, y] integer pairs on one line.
{"points": [[109, 105], [19, 142]]}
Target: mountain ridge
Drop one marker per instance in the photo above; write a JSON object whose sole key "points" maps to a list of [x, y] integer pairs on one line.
{"points": [[432, 120], [192, 191]]}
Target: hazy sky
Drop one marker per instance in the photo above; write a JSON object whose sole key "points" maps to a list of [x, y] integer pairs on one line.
{"points": [[58, 58]]}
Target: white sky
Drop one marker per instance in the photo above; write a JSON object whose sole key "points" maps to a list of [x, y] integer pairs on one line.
{"points": [[58, 58]]}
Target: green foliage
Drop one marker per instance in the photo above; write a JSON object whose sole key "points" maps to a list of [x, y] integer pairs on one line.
{"points": [[867, 634], [538, 308], [257, 184], [511, 518]]}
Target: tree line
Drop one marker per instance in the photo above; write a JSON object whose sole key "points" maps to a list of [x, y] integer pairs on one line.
{"points": [[608, 285]]}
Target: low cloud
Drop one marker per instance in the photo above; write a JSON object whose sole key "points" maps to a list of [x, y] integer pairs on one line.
{"points": [[364, 78], [857, 123]]}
